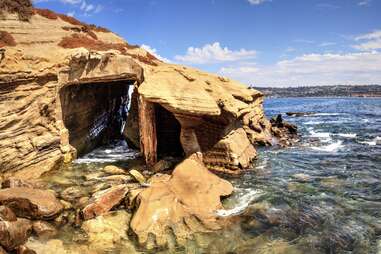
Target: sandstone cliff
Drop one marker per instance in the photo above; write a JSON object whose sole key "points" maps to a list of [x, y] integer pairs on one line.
{"points": [[60, 87]]}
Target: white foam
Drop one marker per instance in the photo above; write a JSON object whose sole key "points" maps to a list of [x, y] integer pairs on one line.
{"points": [[320, 134], [313, 122], [372, 142], [243, 203], [334, 147], [328, 114], [347, 135]]}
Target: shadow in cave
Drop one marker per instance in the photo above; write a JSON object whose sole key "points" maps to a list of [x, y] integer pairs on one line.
{"points": [[168, 131], [94, 113]]}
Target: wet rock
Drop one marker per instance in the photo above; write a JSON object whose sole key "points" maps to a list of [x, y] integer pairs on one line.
{"points": [[103, 201], [6, 214], [72, 193], [302, 178], [100, 186], [82, 202], [53, 246], [106, 230], [66, 205], [113, 170], [118, 179], [14, 233], [138, 176], [94, 176], [162, 165], [24, 250], [31, 203], [184, 203], [44, 229], [2, 251], [298, 114], [14, 182]]}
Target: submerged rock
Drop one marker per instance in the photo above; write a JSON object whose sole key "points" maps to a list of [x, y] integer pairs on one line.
{"points": [[44, 229], [72, 193], [184, 203], [6, 214], [103, 201], [14, 233], [107, 230], [31, 203]]}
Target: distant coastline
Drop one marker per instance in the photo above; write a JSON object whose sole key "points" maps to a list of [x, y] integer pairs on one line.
{"points": [[363, 91]]}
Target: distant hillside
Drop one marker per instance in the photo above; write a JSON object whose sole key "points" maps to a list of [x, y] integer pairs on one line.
{"points": [[323, 91]]}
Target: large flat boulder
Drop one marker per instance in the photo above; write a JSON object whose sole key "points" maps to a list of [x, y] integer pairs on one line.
{"points": [[185, 203], [31, 203]]}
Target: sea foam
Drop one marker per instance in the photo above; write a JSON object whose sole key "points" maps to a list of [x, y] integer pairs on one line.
{"points": [[243, 203], [334, 147]]}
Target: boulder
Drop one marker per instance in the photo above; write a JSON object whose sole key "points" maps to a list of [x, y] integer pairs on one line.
{"points": [[72, 193], [103, 201], [31, 203], [185, 203], [106, 230], [24, 250], [113, 170], [14, 233], [138, 176], [44, 229], [6, 214]]}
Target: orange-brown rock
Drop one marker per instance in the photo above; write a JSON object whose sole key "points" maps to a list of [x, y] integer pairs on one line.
{"points": [[104, 201], [61, 87], [14, 233], [31, 203], [183, 203]]}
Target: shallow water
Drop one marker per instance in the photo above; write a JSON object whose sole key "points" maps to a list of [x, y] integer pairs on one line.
{"points": [[323, 195], [326, 190]]}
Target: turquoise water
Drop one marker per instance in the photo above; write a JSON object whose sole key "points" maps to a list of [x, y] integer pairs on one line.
{"points": [[323, 194]]}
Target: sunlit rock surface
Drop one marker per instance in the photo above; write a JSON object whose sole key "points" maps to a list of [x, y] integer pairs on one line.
{"points": [[45, 120], [174, 207]]}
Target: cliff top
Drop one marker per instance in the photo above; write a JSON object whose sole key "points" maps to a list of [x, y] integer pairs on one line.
{"points": [[39, 42]]}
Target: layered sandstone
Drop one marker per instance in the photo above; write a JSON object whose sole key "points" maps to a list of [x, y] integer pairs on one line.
{"points": [[60, 87]]}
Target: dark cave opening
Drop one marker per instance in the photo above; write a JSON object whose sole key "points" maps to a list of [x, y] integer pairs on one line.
{"points": [[94, 113], [168, 131]]}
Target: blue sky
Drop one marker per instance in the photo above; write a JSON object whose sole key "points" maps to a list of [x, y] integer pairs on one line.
{"points": [[259, 42]]}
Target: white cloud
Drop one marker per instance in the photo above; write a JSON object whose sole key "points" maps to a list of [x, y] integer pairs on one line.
{"points": [[327, 44], [71, 14], [312, 69], [214, 53], [71, 1], [369, 41], [257, 2], [153, 51], [364, 3]]}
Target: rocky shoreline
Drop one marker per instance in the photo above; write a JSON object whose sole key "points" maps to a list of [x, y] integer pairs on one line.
{"points": [[61, 102]]}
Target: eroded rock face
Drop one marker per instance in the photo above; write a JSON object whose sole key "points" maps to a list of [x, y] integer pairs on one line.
{"points": [[14, 233], [184, 203], [31, 203], [104, 201]]}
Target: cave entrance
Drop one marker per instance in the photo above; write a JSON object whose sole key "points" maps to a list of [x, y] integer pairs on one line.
{"points": [[168, 131], [94, 113]]}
